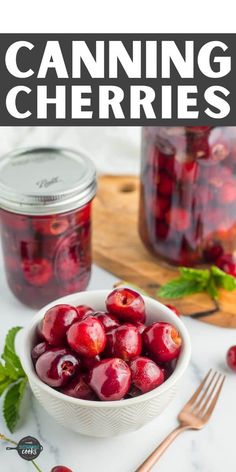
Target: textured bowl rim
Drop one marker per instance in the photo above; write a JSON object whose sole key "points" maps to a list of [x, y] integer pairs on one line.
{"points": [[27, 334]]}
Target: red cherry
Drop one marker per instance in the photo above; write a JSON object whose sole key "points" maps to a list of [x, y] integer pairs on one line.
{"points": [[56, 323], [179, 219], [227, 263], [160, 207], [87, 337], [38, 350], [162, 341], [110, 379], [162, 229], [231, 358], [227, 193], [57, 366], [145, 374], [68, 259], [84, 311], [53, 226], [219, 151], [14, 221], [37, 272], [213, 251], [78, 388], [61, 468], [188, 172], [108, 321], [126, 304], [39, 331], [165, 185], [124, 342], [174, 309]]}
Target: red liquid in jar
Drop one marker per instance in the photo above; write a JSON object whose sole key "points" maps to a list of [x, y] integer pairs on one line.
{"points": [[188, 193], [46, 257]]}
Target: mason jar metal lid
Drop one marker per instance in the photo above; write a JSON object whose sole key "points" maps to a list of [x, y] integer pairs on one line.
{"points": [[44, 181]]}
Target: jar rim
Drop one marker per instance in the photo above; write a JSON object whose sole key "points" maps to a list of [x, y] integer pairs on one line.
{"points": [[46, 180]]}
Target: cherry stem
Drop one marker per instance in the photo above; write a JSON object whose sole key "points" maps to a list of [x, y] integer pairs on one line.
{"points": [[4, 438]]}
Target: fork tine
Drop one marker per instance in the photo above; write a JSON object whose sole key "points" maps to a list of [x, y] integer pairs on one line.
{"points": [[213, 401], [198, 391], [197, 405], [206, 398]]}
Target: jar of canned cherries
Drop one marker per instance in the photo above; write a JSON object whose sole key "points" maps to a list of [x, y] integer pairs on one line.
{"points": [[45, 200], [188, 195]]}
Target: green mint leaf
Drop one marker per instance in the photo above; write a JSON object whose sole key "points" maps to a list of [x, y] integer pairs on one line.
{"points": [[12, 403], [178, 288], [223, 280], [3, 373], [198, 275], [212, 289], [4, 384], [12, 361]]}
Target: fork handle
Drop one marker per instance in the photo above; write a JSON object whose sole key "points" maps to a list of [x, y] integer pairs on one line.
{"points": [[157, 453]]}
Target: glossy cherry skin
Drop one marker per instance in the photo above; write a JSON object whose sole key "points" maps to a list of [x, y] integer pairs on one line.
{"points": [[124, 342], [231, 358], [110, 379], [162, 341], [57, 366], [79, 388], [109, 321], [145, 374], [227, 264], [140, 326], [39, 349], [84, 311], [56, 323], [126, 304], [87, 337], [61, 468], [174, 309]]}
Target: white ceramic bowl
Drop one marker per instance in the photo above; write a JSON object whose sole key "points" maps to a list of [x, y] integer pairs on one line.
{"points": [[104, 419]]}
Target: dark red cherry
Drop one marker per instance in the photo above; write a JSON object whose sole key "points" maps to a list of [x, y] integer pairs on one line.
{"points": [[87, 337], [56, 323], [124, 342], [79, 388], [61, 468], [110, 379], [38, 350], [231, 358], [84, 311], [227, 263], [37, 272], [57, 366], [126, 304], [145, 374], [108, 321], [162, 341]]}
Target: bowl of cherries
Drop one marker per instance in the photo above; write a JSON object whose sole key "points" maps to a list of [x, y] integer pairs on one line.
{"points": [[104, 363]]}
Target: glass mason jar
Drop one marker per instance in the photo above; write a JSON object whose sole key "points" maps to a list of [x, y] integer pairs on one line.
{"points": [[45, 200], [188, 194]]}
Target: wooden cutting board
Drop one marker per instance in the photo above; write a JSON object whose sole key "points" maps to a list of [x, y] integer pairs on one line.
{"points": [[119, 250]]}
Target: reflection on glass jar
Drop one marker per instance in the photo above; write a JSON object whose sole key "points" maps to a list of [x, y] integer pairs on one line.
{"points": [[46, 235], [188, 193]]}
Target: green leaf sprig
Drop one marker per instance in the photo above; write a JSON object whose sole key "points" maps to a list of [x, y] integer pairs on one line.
{"points": [[13, 380], [198, 280]]}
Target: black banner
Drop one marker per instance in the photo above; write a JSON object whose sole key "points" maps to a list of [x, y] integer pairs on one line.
{"points": [[117, 79]]}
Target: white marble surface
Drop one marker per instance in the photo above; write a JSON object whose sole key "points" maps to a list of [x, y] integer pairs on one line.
{"points": [[212, 449]]}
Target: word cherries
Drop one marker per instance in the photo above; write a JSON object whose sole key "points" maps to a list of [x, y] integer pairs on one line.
{"points": [[107, 356]]}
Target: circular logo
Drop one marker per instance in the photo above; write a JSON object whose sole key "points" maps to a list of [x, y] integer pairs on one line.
{"points": [[29, 448]]}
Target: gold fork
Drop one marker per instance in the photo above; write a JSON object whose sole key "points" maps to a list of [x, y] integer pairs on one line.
{"points": [[194, 415]]}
